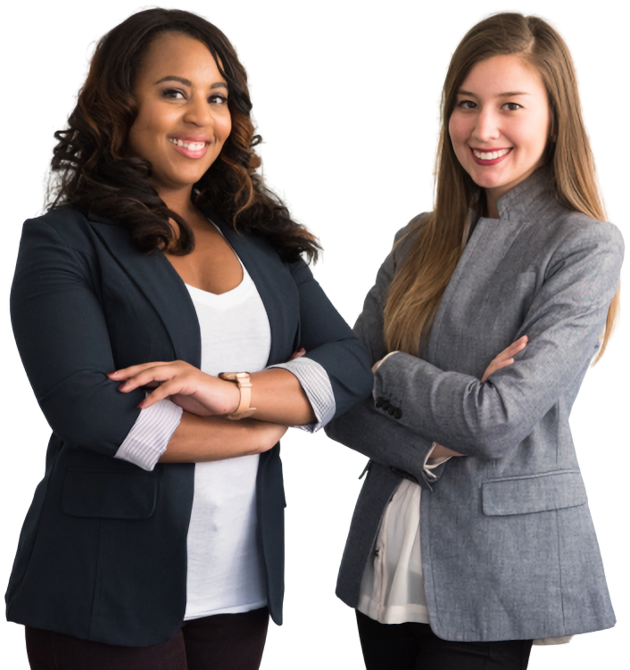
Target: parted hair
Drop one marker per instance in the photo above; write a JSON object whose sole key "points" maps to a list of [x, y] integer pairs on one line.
{"points": [[94, 169], [418, 286]]}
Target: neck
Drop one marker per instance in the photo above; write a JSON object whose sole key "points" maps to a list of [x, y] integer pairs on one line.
{"points": [[492, 212], [179, 201]]}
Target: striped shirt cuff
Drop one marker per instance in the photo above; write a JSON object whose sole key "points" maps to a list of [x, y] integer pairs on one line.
{"points": [[150, 434], [316, 384]]}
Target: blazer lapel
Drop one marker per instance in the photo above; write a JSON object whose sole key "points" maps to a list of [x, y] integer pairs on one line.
{"points": [[160, 283], [489, 244]]}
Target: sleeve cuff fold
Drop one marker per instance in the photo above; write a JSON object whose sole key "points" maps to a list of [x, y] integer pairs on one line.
{"points": [[316, 384], [150, 434]]}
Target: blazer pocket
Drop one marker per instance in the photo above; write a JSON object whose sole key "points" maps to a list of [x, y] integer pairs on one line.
{"points": [[536, 493], [109, 495]]}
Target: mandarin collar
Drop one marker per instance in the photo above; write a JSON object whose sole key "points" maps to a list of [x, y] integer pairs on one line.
{"points": [[526, 198]]}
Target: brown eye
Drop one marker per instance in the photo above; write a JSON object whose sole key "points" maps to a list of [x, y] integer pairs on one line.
{"points": [[173, 93]]}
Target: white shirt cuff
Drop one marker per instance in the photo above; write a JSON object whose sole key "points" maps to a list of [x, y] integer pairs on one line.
{"points": [[316, 384], [150, 434], [432, 463]]}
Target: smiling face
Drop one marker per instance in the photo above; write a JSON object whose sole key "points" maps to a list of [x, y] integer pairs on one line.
{"points": [[183, 117], [500, 124]]}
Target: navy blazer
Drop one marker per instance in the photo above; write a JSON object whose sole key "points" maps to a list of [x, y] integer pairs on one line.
{"points": [[102, 554]]}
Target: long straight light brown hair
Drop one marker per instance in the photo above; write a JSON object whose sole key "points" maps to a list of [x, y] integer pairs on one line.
{"points": [[418, 286]]}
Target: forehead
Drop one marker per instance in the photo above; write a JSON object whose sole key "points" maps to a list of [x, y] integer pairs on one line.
{"points": [[503, 74], [177, 54]]}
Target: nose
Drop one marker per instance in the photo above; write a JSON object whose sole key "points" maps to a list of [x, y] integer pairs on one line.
{"points": [[198, 111], [487, 125]]}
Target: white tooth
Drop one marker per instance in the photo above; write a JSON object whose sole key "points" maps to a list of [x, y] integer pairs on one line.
{"points": [[490, 155]]}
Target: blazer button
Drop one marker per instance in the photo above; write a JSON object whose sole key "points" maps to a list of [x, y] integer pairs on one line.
{"points": [[398, 413], [386, 405], [379, 401], [391, 410]]}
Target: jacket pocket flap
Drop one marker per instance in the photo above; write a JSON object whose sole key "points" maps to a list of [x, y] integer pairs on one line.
{"points": [[109, 495], [537, 493]]}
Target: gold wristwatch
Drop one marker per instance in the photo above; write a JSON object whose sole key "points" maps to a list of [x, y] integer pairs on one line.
{"points": [[243, 381]]}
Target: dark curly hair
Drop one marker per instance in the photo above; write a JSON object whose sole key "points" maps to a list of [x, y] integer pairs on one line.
{"points": [[93, 168]]}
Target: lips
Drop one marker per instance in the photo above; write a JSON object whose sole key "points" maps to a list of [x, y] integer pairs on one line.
{"points": [[489, 156], [190, 147]]}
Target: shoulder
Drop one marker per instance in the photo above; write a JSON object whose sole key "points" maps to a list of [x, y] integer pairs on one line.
{"points": [[64, 223], [405, 238], [565, 248], [576, 233]]}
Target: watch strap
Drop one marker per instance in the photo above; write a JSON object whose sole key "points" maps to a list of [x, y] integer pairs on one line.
{"points": [[244, 383]]}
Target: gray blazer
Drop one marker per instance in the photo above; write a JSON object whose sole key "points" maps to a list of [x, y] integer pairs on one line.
{"points": [[508, 546]]}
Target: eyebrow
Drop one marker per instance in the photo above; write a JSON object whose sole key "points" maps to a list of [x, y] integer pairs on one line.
{"points": [[507, 94], [187, 82]]}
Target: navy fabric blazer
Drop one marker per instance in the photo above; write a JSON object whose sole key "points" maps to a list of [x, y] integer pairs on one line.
{"points": [[102, 554]]}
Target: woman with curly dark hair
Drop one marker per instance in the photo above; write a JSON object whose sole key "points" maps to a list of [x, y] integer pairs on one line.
{"points": [[162, 272]]}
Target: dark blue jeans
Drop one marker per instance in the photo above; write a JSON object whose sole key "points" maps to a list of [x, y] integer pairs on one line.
{"points": [[220, 642], [414, 646]]}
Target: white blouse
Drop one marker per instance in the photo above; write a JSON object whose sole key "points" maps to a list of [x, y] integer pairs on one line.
{"points": [[392, 588]]}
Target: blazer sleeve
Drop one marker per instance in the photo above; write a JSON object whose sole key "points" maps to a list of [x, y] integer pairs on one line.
{"points": [[62, 337], [329, 341], [563, 325], [363, 428]]}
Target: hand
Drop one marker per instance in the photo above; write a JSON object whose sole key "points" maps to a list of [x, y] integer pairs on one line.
{"points": [[505, 358], [298, 354], [443, 452], [191, 388]]}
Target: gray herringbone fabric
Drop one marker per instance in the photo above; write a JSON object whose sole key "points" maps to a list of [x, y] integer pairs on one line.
{"points": [[508, 546]]}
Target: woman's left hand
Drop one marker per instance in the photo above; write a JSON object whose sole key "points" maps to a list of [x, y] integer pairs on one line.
{"points": [[190, 388]]}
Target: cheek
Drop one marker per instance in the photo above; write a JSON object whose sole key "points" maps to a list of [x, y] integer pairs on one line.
{"points": [[457, 130], [225, 127]]}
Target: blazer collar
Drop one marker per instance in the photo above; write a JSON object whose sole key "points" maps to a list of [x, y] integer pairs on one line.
{"points": [[529, 197]]}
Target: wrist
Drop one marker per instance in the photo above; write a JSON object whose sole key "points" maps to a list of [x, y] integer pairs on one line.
{"points": [[232, 398], [242, 385]]}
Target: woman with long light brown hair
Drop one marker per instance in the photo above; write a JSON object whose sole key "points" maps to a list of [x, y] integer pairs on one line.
{"points": [[472, 535]]}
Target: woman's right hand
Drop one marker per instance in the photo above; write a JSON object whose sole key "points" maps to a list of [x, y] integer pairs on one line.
{"points": [[506, 357]]}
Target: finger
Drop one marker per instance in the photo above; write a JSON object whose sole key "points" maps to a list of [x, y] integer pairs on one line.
{"points": [[298, 354], [513, 349], [149, 377], [125, 373], [519, 344], [160, 393]]}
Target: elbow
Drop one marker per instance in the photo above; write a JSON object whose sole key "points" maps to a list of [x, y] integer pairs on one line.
{"points": [[495, 442]]}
